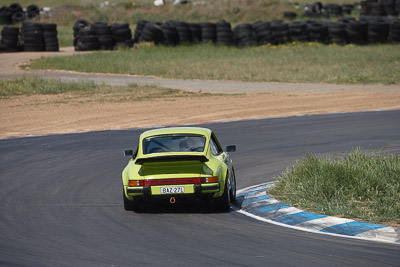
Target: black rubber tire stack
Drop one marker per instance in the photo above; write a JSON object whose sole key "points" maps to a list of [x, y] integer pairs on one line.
{"points": [[122, 35], [244, 36], [289, 15], [171, 36], [318, 32], [103, 32], [19, 16], [364, 8], [208, 32], [280, 32], [50, 38], [32, 11], [378, 31], [394, 31], [139, 29], [87, 40], [263, 32], [357, 32], [333, 10], [79, 25], [195, 32], [397, 6], [298, 31], [5, 15], [9, 39], [347, 9], [224, 33], [152, 32], [183, 32], [389, 7], [32, 37], [376, 9], [337, 33]]}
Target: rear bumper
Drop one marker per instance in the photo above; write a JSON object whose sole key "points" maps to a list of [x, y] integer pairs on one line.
{"points": [[190, 190]]}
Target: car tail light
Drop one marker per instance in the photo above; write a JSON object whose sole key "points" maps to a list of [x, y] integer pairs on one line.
{"points": [[136, 183], [206, 180]]}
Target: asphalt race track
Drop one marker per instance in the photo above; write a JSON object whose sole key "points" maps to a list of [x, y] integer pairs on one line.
{"points": [[61, 200]]}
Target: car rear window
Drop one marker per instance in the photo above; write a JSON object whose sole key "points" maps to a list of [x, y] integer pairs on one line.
{"points": [[174, 143]]}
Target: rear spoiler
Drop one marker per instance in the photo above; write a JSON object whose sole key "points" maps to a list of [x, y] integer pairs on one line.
{"points": [[172, 158]]}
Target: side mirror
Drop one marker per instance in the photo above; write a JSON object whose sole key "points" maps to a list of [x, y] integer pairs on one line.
{"points": [[231, 148], [128, 152]]}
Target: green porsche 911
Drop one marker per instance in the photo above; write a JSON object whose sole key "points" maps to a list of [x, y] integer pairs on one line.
{"points": [[179, 162]]}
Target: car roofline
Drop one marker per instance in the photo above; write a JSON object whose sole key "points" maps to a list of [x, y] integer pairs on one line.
{"points": [[176, 130]]}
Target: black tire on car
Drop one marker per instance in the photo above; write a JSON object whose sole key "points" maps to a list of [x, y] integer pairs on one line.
{"points": [[223, 203], [128, 204]]}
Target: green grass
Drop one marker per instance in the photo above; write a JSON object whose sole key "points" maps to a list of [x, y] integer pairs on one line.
{"points": [[32, 86], [359, 185], [312, 63], [132, 11], [65, 36], [35, 85]]}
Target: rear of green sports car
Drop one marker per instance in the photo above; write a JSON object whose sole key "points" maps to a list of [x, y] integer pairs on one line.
{"points": [[180, 162]]}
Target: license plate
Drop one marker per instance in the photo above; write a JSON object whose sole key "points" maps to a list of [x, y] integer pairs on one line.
{"points": [[172, 190]]}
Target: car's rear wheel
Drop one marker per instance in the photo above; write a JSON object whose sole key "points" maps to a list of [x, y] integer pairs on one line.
{"points": [[233, 187], [128, 204], [223, 203]]}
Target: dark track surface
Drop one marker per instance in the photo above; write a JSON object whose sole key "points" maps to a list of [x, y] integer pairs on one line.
{"points": [[61, 203]]}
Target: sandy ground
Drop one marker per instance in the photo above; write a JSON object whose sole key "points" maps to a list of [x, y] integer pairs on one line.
{"points": [[51, 114], [38, 115]]}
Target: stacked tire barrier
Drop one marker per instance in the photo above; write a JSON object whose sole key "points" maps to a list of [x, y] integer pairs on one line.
{"points": [[139, 29], [380, 8], [195, 32], [122, 35], [394, 32], [337, 33], [208, 32], [153, 32], [298, 31], [280, 32], [244, 35], [183, 29], [317, 9], [33, 37], [10, 39], [50, 37], [366, 30], [14, 13], [224, 33], [263, 32], [318, 32], [104, 35], [171, 35], [100, 35]]}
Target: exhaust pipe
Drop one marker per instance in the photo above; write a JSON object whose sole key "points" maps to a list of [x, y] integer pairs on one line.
{"points": [[172, 200]]}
